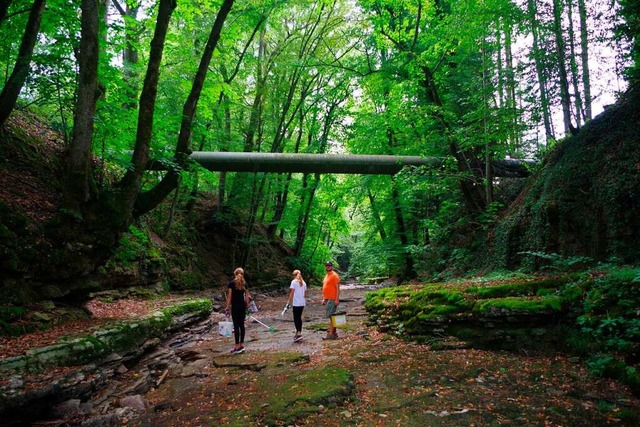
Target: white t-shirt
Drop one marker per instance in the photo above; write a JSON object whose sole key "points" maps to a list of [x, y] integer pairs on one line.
{"points": [[298, 293]]}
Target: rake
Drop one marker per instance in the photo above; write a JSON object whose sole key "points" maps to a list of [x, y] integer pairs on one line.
{"points": [[266, 326]]}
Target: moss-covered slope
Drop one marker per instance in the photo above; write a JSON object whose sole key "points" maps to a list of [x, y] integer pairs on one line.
{"points": [[585, 200]]}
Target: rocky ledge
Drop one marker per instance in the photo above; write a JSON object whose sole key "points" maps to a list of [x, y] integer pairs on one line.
{"points": [[83, 368]]}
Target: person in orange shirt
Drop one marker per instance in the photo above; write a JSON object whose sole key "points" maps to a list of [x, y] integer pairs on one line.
{"points": [[331, 297]]}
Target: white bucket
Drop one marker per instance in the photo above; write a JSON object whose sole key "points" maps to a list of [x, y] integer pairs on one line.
{"points": [[225, 328]]}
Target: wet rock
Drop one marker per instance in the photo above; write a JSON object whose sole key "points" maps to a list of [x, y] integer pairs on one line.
{"points": [[143, 384], [124, 415], [196, 369], [15, 382], [190, 355], [135, 402]]}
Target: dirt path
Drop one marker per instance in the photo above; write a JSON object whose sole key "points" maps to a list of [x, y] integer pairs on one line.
{"points": [[370, 379]]}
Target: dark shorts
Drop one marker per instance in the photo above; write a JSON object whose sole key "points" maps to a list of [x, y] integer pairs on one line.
{"points": [[330, 307]]}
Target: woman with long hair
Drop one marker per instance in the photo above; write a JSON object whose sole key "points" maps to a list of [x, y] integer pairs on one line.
{"points": [[297, 299], [237, 302]]}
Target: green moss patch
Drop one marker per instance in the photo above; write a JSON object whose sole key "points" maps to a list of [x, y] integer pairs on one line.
{"points": [[519, 305], [287, 388], [527, 287], [258, 362], [298, 395], [200, 306], [432, 301], [317, 326], [434, 313]]}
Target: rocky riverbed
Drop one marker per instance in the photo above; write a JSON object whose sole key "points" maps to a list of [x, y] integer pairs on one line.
{"points": [[366, 378]]}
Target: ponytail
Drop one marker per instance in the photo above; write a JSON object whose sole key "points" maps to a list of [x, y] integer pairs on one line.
{"points": [[241, 284]]}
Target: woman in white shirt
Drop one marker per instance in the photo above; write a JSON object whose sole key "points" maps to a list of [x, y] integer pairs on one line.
{"points": [[297, 295]]}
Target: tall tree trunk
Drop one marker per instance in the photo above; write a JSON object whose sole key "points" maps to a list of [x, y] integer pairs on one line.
{"points": [[273, 184], [172, 213], [306, 202], [130, 57], [224, 100], [281, 203], [500, 68], [288, 114], [132, 181], [12, 88], [300, 84], [575, 78], [78, 169], [283, 195], [584, 58], [540, 69], [222, 181], [409, 270], [105, 17], [514, 134], [328, 121], [256, 108], [257, 191], [565, 97], [401, 228], [150, 199], [279, 139], [281, 198], [488, 150], [242, 183], [467, 163], [300, 80], [376, 215], [193, 194]]}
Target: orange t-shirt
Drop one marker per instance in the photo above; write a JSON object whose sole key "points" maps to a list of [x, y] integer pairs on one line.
{"points": [[330, 285]]}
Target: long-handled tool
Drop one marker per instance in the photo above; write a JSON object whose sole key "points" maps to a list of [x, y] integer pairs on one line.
{"points": [[266, 326]]}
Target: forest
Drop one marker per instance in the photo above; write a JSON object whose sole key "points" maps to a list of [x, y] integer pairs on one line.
{"points": [[469, 83], [521, 117]]}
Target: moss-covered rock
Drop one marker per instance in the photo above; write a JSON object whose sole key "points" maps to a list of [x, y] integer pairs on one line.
{"points": [[122, 338], [519, 305], [484, 313]]}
